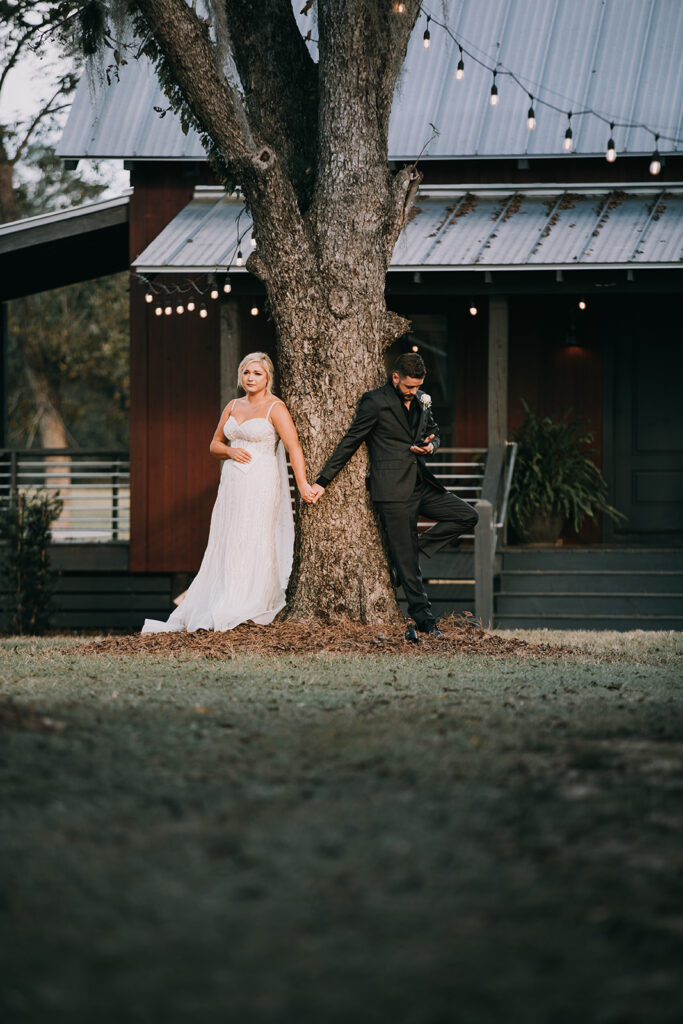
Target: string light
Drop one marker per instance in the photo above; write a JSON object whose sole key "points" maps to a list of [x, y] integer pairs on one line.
{"points": [[531, 117], [203, 311], [568, 143], [473, 309], [254, 310], [180, 309], [611, 153], [400, 8], [168, 310], [240, 259], [158, 311], [460, 71], [149, 296], [191, 306], [227, 286], [494, 92], [582, 304], [415, 348], [655, 160], [427, 39], [252, 242], [213, 294]]}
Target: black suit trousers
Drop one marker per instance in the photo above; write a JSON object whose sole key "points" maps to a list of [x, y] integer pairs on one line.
{"points": [[454, 517]]}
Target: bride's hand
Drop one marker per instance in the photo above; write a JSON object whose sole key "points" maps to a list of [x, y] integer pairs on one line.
{"points": [[239, 454], [307, 493]]}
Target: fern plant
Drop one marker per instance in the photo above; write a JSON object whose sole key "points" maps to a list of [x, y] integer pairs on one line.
{"points": [[555, 474], [25, 534]]}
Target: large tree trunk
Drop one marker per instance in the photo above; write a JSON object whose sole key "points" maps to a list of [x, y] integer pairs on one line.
{"points": [[307, 144]]}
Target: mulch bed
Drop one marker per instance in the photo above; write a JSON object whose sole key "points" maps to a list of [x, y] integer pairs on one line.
{"points": [[460, 637]]}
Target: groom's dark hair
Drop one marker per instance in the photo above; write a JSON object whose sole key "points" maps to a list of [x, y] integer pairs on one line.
{"points": [[410, 364]]}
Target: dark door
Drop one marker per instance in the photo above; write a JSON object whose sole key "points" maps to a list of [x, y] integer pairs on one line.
{"points": [[644, 420]]}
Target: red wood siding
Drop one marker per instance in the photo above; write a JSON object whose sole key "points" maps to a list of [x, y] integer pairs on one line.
{"points": [[175, 402]]}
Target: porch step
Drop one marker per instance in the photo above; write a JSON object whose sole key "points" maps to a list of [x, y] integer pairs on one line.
{"points": [[590, 588]]}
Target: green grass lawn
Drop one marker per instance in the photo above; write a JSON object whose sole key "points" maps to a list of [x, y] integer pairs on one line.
{"points": [[326, 839]]}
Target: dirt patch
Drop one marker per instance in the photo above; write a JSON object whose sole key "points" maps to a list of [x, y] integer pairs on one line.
{"points": [[460, 637]]}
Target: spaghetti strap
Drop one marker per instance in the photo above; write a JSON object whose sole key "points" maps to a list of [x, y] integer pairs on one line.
{"points": [[278, 401]]}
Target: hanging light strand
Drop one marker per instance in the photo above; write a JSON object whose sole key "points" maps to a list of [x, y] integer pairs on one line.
{"points": [[499, 70]]}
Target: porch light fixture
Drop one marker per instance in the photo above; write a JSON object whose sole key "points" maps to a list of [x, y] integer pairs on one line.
{"points": [[531, 116], [582, 304], [191, 306], [227, 286], [168, 310], [611, 154], [656, 160], [203, 311], [254, 310], [568, 143], [239, 259], [427, 39], [460, 70], [493, 99]]}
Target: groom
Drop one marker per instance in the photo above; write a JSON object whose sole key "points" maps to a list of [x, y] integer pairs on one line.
{"points": [[400, 431]]}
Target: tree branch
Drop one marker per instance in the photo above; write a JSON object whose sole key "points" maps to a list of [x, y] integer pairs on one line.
{"points": [[280, 82]]}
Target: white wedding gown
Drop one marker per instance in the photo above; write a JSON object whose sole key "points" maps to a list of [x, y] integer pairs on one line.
{"points": [[248, 557]]}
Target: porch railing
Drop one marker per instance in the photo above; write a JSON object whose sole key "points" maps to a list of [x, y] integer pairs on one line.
{"points": [[93, 484]]}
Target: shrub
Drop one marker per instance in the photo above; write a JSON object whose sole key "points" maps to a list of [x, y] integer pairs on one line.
{"points": [[25, 533]]}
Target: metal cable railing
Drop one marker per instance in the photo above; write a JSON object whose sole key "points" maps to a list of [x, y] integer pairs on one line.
{"points": [[92, 483]]}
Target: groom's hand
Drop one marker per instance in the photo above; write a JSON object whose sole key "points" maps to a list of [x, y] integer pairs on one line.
{"points": [[424, 449], [317, 492]]}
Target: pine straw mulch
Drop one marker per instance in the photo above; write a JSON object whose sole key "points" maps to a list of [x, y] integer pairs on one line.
{"points": [[460, 637]]}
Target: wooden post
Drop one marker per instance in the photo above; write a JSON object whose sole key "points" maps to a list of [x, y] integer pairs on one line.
{"points": [[483, 565], [231, 349], [498, 372]]}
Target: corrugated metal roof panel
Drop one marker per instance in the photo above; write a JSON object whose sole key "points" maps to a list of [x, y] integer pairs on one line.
{"points": [[619, 57], [464, 230]]}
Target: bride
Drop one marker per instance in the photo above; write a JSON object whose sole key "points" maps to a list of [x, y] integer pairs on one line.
{"points": [[248, 557]]}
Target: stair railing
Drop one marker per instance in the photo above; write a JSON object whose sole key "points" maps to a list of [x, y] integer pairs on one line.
{"points": [[492, 508]]}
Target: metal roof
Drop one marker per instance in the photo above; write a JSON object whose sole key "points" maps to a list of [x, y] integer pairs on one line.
{"points": [[619, 57], [464, 229]]}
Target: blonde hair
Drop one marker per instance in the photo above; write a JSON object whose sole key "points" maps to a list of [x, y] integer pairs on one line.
{"points": [[265, 361]]}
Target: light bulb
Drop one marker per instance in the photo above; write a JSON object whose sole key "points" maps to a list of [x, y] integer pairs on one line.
{"points": [[611, 154], [426, 39], [473, 310], [213, 294], [158, 311], [149, 297], [582, 303], [203, 311], [239, 261], [415, 348], [655, 163], [227, 287], [493, 100], [568, 143], [460, 72], [400, 8], [168, 310], [252, 242], [531, 119], [191, 306], [254, 311], [180, 309]]}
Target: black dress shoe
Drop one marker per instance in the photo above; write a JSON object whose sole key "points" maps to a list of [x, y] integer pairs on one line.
{"points": [[435, 633], [411, 636]]}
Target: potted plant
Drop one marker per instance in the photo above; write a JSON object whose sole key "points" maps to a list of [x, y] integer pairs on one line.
{"points": [[555, 479]]}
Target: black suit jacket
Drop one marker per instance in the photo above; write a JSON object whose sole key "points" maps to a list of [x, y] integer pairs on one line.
{"points": [[381, 421]]}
